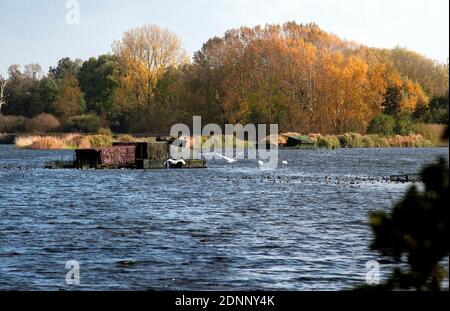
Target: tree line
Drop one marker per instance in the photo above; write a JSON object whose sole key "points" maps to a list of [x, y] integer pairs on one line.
{"points": [[296, 75]]}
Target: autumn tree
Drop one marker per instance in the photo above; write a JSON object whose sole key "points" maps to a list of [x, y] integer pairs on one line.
{"points": [[297, 75], [171, 95], [206, 82], [144, 54], [430, 75]]}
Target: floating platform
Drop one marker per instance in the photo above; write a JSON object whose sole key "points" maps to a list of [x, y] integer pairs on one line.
{"points": [[136, 155]]}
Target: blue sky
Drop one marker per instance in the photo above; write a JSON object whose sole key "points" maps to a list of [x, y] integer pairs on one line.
{"points": [[35, 31]]}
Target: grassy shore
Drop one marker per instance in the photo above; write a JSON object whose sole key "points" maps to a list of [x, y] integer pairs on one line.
{"points": [[374, 141], [72, 141], [77, 141], [425, 136]]}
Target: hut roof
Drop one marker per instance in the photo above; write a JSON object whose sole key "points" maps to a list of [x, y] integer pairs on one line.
{"points": [[301, 139]]}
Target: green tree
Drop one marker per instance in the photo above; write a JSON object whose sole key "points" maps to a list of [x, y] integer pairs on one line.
{"points": [[438, 108], [382, 124], [392, 101], [65, 67], [84, 123], [69, 101], [48, 90], [22, 91], [417, 229], [404, 124], [98, 79]]}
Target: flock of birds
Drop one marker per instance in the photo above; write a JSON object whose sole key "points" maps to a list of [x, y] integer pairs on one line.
{"points": [[344, 181], [227, 159], [340, 182]]}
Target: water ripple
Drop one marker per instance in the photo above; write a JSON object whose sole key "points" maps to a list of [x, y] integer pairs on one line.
{"points": [[301, 227]]}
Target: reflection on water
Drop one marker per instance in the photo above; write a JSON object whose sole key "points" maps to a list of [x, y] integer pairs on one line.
{"points": [[301, 227]]}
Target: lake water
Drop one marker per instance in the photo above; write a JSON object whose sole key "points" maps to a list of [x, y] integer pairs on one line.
{"points": [[301, 227]]}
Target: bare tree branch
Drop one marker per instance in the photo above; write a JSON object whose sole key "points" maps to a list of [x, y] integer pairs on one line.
{"points": [[3, 83]]}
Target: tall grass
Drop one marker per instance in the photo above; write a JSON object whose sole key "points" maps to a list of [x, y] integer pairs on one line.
{"points": [[67, 141], [26, 141], [327, 141], [433, 133], [224, 141], [354, 140], [429, 137]]}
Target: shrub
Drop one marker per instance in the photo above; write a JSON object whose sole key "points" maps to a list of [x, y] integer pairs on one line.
{"points": [[101, 141], [12, 124], [47, 143], [367, 142], [105, 131], [431, 132], [404, 126], [382, 124], [417, 229], [84, 124], [356, 141], [352, 140], [43, 123], [328, 141], [379, 141], [79, 142], [344, 140], [440, 115]]}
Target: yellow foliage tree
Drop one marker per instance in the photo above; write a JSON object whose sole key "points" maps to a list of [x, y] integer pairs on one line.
{"points": [[145, 53]]}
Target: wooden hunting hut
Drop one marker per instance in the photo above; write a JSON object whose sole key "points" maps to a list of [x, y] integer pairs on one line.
{"points": [[117, 156], [155, 151], [299, 142]]}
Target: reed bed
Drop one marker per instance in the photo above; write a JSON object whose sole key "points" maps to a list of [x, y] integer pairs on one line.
{"points": [[353, 140], [67, 141], [429, 137]]}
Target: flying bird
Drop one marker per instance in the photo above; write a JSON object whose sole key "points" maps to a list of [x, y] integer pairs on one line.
{"points": [[229, 160]]}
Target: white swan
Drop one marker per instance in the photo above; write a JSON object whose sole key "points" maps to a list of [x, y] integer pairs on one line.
{"points": [[284, 162], [175, 162], [229, 160]]}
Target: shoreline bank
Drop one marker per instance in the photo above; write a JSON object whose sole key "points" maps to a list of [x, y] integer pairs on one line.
{"points": [[62, 141]]}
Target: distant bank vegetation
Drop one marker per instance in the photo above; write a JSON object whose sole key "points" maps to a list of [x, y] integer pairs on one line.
{"points": [[104, 138], [423, 135], [298, 76], [427, 136]]}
